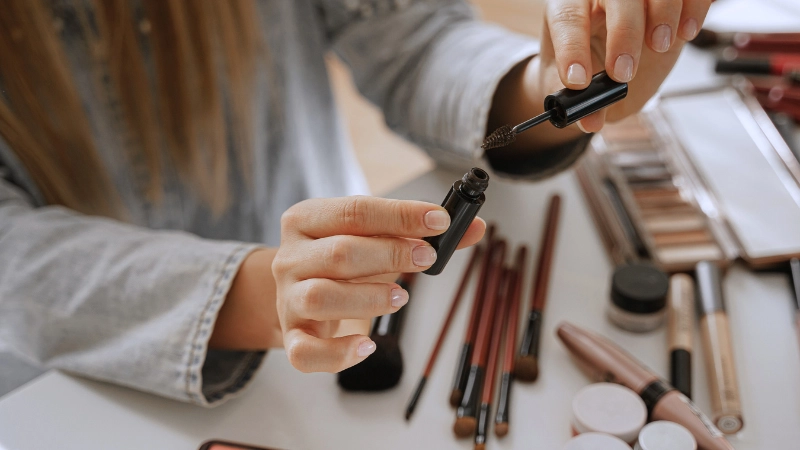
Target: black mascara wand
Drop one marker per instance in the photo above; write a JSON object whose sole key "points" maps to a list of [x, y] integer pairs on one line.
{"points": [[564, 108]]}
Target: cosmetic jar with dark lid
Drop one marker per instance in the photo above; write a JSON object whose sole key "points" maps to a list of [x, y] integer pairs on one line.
{"points": [[638, 297]]}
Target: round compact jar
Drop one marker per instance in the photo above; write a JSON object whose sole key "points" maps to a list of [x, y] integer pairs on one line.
{"points": [[638, 297], [663, 435], [610, 409], [595, 441]]}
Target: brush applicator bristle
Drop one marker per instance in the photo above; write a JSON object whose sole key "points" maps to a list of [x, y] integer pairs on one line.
{"points": [[526, 368], [465, 426], [499, 138]]}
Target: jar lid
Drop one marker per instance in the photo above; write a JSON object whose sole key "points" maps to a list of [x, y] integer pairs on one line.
{"points": [[663, 435], [596, 441], [639, 288], [609, 408]]}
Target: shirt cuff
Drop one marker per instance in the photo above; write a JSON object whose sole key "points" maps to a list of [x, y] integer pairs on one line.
{"points": [[539, 164], [214, 376], [451, 108]]}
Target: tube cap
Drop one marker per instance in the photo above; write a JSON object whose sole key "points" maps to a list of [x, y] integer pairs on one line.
{"points": [[709, 287], [569, 106], [639, 288]]}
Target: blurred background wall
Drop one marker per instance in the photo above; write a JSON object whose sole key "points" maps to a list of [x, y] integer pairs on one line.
{"points": [[387, 159]]}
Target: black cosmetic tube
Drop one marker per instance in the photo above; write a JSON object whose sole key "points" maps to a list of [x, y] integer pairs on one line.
{"points": [[462, 203]]}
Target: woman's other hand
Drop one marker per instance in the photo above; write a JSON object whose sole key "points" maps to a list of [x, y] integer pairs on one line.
{"points": [[635, 41], [338, 260]]}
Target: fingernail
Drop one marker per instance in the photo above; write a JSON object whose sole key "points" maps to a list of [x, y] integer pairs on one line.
{"points": [[623, 68], [366, 348], [580, 126], [690, 29], [424, 255], [576, 74], [661, 37], [399, 297], [437, 220]]}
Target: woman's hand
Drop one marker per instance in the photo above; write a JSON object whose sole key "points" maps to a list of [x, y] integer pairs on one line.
{"points": [[337, 260], [635, 41]]}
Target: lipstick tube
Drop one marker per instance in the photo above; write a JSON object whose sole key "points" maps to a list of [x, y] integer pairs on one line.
{"points": [[605, 361], [726, 408]]}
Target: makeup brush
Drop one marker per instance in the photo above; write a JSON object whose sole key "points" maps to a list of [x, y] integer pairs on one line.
{"points": [[510, 343], [794, 275], [563, 108], [500, 317], [527, 366], [381, 370], [462, 365], [753, 42], [466, 421], [462, 286]]}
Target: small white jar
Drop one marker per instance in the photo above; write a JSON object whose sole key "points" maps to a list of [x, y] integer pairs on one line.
{"points": [[610, 409], [595, 441], [664, 435]]}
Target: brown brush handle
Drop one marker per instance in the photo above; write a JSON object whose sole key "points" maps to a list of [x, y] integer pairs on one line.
{"points": [[726, 408], [513, 309], [462, 365], [546, 248], [462, 286], [481, 348], [497, 337]]}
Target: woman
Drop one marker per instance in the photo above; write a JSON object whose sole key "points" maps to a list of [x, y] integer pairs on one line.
{"points": [[156, 157]]}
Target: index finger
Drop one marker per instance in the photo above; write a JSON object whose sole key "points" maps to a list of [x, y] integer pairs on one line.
{"points": [[569, 25], [366, 216]]}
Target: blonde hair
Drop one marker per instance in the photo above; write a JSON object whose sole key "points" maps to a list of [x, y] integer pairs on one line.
{"points": [[197, 46]]}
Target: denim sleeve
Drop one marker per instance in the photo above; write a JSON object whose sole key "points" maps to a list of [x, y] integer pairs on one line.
{"points": [[115, 302], [433, 68]]}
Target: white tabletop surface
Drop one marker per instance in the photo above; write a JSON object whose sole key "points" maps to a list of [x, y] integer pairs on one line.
{"points": [[286, 409]]}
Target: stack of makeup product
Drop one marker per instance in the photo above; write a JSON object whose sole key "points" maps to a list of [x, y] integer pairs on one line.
{"points": [[695, 182], [771, 63], [489, 360]]}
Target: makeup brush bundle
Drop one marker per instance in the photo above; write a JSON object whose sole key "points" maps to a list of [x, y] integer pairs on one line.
{"points": [[489, 360]]}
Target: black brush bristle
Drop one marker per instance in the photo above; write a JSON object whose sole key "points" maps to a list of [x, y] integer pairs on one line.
{"points": [[499, 138], [380, 371]]}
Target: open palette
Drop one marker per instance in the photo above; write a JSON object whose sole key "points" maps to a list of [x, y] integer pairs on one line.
{"points": [[701, 175]]}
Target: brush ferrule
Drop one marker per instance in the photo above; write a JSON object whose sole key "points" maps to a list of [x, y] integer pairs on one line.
{"points": [[412, 403], [484, 412], [503, 404], [530, 340], [469, 403], [460, 380]]}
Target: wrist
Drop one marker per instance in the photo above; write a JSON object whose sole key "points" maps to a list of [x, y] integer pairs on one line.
{"points": [[520, 96], [248, 319]]}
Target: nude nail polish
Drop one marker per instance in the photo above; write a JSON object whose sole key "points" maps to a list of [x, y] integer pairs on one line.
{"points": [[623, 68], [365, 348], [437, 220], [424, 255], [399, 297], [576, 74], [661, 38]]}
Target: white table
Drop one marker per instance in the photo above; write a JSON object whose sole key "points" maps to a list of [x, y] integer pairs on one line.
{"points": [[286, 409]]}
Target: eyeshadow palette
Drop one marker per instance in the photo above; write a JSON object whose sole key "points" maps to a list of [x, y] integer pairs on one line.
{"points": [[701, 175]]}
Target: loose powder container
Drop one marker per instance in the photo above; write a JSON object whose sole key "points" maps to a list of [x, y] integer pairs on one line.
{"points": [[595, 441], [663, 435], [638, 297], [608, 408]]}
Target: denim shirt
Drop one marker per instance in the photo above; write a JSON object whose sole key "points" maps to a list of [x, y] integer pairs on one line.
{"points": [[134, 303]]}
